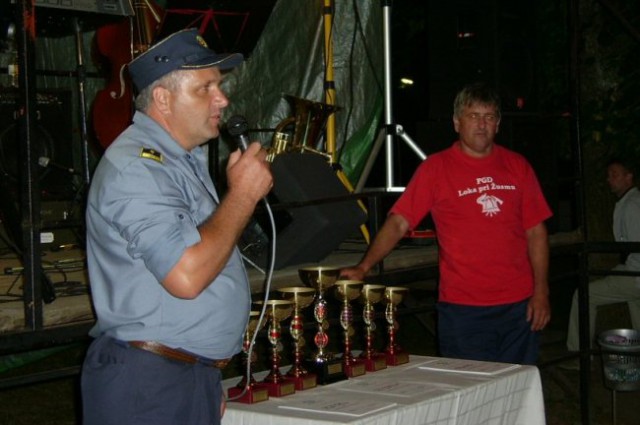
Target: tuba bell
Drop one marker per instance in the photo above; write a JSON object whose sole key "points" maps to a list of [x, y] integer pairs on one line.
{"points": [[301, 132]]}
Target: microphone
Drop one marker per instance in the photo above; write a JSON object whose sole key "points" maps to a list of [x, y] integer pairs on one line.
{"points": [[45, 162], [238, 127]]}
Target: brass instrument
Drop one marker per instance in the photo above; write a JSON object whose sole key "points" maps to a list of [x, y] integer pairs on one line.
{"points": [[301, 132], [309, 119]]}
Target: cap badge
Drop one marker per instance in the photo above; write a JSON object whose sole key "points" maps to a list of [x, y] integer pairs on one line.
{"points": [[201, 41]]}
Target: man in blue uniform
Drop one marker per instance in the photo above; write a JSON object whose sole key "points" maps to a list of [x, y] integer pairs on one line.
{"points": [[168, 285]]}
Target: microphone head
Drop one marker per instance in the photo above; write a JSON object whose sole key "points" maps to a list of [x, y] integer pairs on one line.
{"points": [[237, 125], [43, 161]]}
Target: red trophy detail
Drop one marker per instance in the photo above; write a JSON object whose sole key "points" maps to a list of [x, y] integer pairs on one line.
{"points": [[301, 297], [323, 364], [277, 311], [253, 392], [393, 296], [347, 291], [371, 294]]}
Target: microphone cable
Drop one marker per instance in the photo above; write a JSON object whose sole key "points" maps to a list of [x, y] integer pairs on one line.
{"points": [[237, 127]]}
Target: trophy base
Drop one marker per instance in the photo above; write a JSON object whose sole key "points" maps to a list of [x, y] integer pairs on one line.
{"points": [[279, 389], [397, 358], [303, 382], [375, 363], [326, 371], [254, 394], [356, 368]]}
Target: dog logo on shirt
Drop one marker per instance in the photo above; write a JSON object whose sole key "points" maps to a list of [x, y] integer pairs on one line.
{"points": [[490, 204]]}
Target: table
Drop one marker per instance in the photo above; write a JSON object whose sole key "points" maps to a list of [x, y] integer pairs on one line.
{"points": [[427, 390]]}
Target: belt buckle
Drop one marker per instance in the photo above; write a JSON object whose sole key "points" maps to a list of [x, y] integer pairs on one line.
{"points": [[220, 364]]}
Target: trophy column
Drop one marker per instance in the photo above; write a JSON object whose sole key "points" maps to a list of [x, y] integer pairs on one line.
{"points": [[393, 296], [346, 291], [323, 364], [371, 294], [248, 390], [277, 311], [301, 297]]}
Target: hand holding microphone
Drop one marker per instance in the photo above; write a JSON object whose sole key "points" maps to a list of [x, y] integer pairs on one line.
{"points": [[238, 128], [248, 171]]}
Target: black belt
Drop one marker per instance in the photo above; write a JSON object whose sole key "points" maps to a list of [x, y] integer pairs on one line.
{"points": [[173, 354]]}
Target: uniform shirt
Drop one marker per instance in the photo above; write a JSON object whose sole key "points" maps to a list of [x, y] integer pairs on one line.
{"points": [[626, 224], [482, 208], [147, 198]]}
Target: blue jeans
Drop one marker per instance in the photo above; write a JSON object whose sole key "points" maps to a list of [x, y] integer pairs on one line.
{"points": [[488, 333]]}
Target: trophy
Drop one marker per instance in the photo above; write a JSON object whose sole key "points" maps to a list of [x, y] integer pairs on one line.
{"points": [[326, 367], [277, 311], [393, 296], [371, 294], [301, 297], [254, 392], [347, 291]]}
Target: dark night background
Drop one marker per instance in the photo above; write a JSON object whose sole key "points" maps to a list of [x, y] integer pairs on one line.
{"points": [[520, 46]]}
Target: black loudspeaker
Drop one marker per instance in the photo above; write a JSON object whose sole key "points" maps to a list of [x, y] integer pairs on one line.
{"points": [[309, 232], [52, 141]]}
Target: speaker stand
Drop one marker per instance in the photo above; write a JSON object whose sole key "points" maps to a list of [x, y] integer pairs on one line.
{"points": [[390, 130], [81, 73]]}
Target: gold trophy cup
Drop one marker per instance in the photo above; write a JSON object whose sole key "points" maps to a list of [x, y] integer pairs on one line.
{"points": [[393, 296], [301, 297], [323, 364], [371, 294], [254, 392], [347, 291], [277, 311]]}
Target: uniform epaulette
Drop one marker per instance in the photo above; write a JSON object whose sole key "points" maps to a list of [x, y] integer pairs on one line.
{"points": [[151, 154]]}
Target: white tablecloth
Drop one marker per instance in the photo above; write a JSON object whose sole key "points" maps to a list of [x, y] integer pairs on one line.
{"points": [[510, 396]]}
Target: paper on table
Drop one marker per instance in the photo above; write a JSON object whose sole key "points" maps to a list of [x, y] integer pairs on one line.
{"points": [[468, 366], [396, 388], [336, 405]]}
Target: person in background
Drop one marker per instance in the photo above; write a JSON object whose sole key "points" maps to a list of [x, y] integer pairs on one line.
{"points": [[489, 214], [626, 228], [168, 286]]}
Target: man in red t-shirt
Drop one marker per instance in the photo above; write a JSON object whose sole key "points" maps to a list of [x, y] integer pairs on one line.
{"points": [[489, 213]]}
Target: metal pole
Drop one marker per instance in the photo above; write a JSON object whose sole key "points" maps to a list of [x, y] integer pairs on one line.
{"points": [[29, 188], [389, 129], [583, 284], [329, 83], [388, 104], [81, 77]]}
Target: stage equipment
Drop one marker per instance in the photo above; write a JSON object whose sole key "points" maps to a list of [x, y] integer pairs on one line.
{"points": [[109, 7], [52, 139], [329, 83], [390, 130], [330, 99], [314, 218]]}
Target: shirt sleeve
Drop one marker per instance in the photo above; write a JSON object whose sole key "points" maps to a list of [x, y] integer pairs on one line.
{"points": [[418, 197], [149, 213]]}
